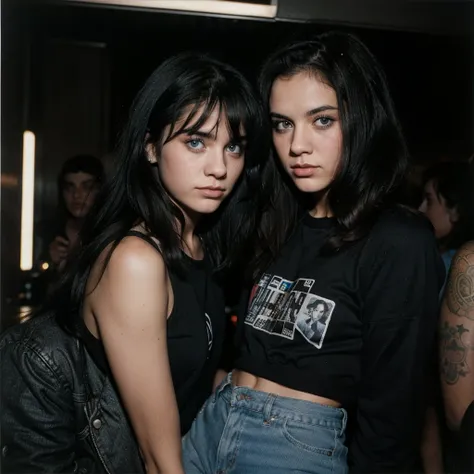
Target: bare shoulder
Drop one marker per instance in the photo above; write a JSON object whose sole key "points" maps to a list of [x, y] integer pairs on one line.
{"points": [[459, 296], [465, 254], [135, 256], [132, 261]]}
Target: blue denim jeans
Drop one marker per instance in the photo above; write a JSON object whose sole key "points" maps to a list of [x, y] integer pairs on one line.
{"points": [[243, 431]]}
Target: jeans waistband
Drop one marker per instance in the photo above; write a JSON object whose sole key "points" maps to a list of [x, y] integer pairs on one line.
{"points": [[275, 406]]}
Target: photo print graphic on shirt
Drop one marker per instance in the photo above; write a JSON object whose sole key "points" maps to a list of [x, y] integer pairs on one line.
{"points": [[313, 319], [279, 307]]}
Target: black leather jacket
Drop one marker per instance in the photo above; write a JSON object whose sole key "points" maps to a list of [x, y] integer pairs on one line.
{"points": [[59, 412]]}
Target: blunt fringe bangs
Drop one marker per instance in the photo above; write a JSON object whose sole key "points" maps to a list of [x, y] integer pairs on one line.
{"points": [[179, 89]]}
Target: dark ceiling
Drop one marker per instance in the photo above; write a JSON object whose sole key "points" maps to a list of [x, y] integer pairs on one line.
{"points": [[430, 75]]}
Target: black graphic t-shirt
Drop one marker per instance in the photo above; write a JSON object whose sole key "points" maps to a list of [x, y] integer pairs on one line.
{"points": [[357, 327]]}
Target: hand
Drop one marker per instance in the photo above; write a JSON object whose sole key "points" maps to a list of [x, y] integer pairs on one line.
{"points": [[58, 250]]}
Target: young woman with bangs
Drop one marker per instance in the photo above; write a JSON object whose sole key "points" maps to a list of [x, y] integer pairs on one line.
{"points": [[110, 374]]}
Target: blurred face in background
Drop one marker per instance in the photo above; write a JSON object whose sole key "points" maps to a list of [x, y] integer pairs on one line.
{"points": [[79, 193], [436, 210]]}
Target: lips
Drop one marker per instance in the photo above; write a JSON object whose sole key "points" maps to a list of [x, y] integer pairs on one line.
{"points": [[303, 170], [212, 192]]}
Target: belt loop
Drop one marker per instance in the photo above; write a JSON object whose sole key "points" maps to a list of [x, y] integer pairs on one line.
{"points": [[268, 418], [222, 386], [344, 421]]}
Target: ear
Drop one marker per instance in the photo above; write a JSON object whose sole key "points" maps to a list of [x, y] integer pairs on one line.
{"points": [[150, 151], [453, 214]]}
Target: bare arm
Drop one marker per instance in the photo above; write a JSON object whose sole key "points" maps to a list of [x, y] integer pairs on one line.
{"points": [[457, 337], [130, 305]]}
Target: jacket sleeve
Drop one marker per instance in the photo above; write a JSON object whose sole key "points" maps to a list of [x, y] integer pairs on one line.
{"points": [[37, 415], [402, 275]]}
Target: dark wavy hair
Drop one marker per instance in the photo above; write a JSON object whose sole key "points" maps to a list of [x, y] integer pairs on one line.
{"points": [[188, 86], [81, 164], [454, 182], [374, 156]]}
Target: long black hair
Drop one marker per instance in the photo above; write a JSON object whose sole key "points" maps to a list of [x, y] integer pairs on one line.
{"points": [[188, 86], [374, 156], [454, 182]]}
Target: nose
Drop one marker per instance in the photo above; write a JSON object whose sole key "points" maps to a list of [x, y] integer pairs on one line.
{"points": [[300, 142], [422, 207], [216, 164], [78, 194]]}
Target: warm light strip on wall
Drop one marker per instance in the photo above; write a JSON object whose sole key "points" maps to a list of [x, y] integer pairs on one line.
{"points": [[27, 200], [221, 7]]}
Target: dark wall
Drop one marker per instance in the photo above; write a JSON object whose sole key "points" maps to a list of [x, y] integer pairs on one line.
{"points": [[69, 111], [427, 73], [439, 17], [14, 61]]}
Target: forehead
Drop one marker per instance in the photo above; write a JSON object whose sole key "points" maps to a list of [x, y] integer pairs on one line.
{"points": [[78, 178], [217, 122], [300, 93]]}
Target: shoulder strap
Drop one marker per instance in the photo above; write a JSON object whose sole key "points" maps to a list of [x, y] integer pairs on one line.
{"points": [[145, 237]]}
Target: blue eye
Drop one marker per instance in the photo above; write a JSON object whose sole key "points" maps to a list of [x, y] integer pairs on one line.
{"points": [[195, 144], [324, 121], [281, 125], [234, 148]]}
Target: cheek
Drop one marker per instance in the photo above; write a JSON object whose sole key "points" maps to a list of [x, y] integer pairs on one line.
{"points": [[440, 219], [91, 196], [173, 173], [333, 151], [67, 198], [281, 142], [235, 168]]}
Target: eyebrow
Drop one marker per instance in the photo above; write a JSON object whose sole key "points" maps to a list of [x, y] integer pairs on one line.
{"points": [[86, 181], [212, 136], [310, 113]]}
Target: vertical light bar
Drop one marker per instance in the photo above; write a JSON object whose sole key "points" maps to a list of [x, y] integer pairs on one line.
{"points": [[27, 200]]}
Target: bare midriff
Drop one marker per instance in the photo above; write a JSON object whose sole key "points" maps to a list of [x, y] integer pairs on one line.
{"points": [[244, 379]]}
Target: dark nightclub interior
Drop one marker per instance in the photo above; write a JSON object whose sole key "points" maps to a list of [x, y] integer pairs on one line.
{"points": [[71, 68]]}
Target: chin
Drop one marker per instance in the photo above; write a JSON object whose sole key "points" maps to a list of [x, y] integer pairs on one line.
{"points": [[78, 215], [206, 207], [310, 186]]}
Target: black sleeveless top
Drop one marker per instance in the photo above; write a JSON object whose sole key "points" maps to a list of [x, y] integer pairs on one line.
{"points": [[195, 333]]}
